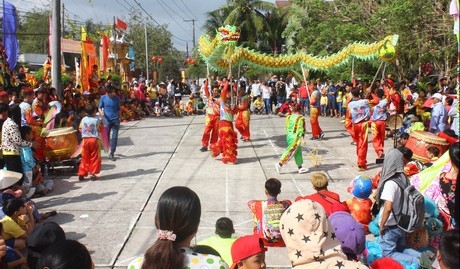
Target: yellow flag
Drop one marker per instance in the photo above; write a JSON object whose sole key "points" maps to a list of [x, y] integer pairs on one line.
{"points": [[83, 34]]}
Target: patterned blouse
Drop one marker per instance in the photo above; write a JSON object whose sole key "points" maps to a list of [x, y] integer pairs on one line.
{"points": [[11, 137], [192, 260]]}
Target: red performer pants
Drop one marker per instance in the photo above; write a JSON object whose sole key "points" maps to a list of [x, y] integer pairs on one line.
{"points": [[315, 129], [90, 157], [361, 130], [242, 124], [226, 144], [211, 129], [349, 126], [378, 136]]}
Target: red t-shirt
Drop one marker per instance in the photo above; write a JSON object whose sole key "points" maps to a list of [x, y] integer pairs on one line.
{"points": [[327, 199]]}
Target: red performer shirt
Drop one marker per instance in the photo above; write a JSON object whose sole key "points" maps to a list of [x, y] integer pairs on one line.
{"points": [[330, 201], [360, 209]]}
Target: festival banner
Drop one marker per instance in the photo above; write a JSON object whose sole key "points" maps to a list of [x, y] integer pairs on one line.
{"points": [[10, 42], [83, 34], [105, 51]]}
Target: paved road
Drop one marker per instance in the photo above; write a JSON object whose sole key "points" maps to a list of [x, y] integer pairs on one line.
{"points": [[114, 216]]}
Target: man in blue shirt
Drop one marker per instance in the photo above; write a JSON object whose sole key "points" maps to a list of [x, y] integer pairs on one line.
{"points": [[109, 109], [438, 115]]}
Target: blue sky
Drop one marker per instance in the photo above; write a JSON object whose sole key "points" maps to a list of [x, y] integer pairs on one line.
{"points": [[170, 12]]}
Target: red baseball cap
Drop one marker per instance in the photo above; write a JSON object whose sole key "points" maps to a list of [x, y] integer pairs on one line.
{"points": [[245, 247]]}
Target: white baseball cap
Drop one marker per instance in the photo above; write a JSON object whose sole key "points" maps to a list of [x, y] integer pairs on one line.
{"points": [[437, 95]]}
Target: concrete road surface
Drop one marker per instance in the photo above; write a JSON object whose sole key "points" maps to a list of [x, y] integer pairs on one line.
{"points": [[114, 216]]}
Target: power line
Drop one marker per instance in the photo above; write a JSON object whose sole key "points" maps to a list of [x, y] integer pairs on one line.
{"points": [[171, 16], [162, 26], [180, 8]]}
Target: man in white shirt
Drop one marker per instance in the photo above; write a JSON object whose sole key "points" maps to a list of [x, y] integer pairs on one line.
{"points": [[392, 238]]}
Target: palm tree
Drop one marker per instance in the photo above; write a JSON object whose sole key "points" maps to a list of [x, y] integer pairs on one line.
{"points": [[216, 19], [249, 16], [271, 36]]}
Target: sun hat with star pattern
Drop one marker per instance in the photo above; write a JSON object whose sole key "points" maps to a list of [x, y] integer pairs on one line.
{"points": [[310, 239]]}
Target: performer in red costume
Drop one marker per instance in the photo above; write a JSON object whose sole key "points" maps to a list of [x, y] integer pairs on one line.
{"points": [[360, 113], [316, 131], [211, 128], [348, 120], [243, 113], [227, 136], [378, 123], [39, 110]]}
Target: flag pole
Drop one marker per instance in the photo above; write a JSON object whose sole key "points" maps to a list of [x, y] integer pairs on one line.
{"points": [[115, 55]]}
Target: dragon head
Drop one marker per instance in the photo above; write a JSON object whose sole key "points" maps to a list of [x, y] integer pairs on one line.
{"points": [[229, 34]]}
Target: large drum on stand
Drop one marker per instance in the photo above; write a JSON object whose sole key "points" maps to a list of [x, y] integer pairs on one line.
{"points": [[60, 143], [419, 141]]}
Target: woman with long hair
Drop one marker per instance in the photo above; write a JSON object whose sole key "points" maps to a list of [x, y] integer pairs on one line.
{"points": [[177, 219]]}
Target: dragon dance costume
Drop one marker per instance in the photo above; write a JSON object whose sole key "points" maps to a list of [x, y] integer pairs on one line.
{"points": [[360, 112], [295, 130], [227, 143], [211, 127], [314, 114], [348, 120], [378, 124], [243, 117]]}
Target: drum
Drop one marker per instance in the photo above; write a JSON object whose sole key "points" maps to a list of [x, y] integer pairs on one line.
{"points": [[419, 141], [394, 122], [60, 143]]}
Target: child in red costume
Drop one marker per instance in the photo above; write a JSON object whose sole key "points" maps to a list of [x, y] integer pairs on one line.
{"points": [[227, 143], [211, 127], [243, 114], [360, 205], [91, 150]]}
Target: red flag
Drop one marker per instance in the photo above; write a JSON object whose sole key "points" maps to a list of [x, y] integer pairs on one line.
{"points": [[121, 24], [105, 51]]}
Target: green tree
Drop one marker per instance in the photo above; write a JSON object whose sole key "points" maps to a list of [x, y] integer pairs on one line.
{"points": [[249, 16], [33, 31], [326, 27], [159, 42], [276, 21]]}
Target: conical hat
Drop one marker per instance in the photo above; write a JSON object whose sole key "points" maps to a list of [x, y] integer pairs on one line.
{"points": [[8, 178]]}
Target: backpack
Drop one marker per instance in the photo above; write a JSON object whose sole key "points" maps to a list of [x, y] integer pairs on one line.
{"points": [[412, 214]]}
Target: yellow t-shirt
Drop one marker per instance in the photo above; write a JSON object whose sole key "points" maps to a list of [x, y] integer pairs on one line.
{"points": [[152, 93], [11, 228]]}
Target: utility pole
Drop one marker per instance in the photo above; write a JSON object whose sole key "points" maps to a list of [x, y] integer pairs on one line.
{"points": [[193, 24], [63, 18], [146, 53], [56, 48]]}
